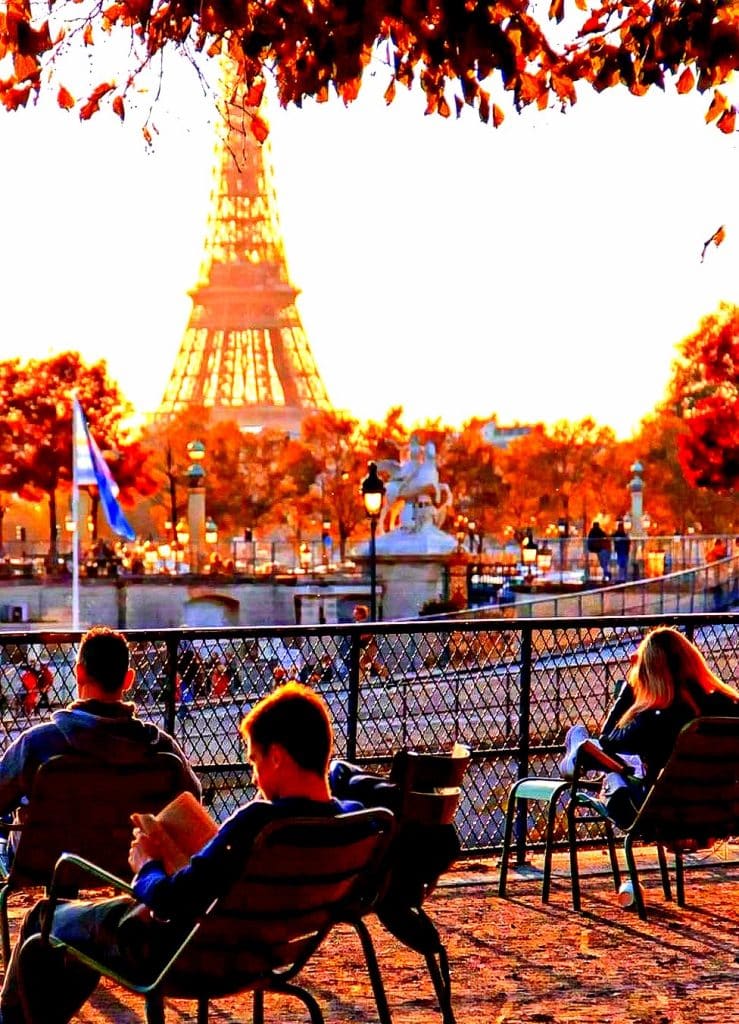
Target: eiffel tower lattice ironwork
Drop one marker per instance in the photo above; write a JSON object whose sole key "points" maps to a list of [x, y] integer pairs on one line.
{"points": [[244, 355]]}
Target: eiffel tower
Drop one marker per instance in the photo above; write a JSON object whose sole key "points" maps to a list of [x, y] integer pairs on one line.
{"points": [[244, 356]]}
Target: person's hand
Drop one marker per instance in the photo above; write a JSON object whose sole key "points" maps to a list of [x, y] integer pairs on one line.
{"points": [[142, 850]]}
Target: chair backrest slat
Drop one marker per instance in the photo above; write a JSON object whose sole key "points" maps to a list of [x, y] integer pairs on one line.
{"points": [[301, 877], [81, 805], [696, 796]]}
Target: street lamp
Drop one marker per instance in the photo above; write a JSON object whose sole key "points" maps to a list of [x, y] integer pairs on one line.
{"points": [[211, 531], [373, 491], [544, 560], [529, 552]]}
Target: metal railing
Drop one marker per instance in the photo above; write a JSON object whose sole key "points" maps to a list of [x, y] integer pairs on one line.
{"points": [[507, 689]]}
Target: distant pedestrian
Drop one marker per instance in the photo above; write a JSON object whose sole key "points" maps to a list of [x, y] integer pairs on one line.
{"points": [[622, 547], [599, 544], [29, 682]]}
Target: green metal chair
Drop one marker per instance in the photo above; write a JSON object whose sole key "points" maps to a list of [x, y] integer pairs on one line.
{"points": [[302, 876], [556, 793], [693, 803], [83, 805]]}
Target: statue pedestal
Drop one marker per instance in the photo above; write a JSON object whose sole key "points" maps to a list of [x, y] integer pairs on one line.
{"points": [[407, 582], [411, 565]]}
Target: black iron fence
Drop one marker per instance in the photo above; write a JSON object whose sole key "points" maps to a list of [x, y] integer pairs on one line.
{"points": [[507, 689]]}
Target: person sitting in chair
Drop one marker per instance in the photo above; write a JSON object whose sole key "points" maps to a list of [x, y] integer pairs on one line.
{"points": [[288, 738], [669, 684], [99, 724]]}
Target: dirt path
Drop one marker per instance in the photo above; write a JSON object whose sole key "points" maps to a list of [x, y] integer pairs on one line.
{"points": [[519, 962]]}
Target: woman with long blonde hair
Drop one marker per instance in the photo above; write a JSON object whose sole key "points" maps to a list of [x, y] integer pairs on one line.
{"points": [[668, 685]]}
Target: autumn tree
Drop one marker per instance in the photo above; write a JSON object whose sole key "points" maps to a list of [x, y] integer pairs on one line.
{"points": [[37, 414], [462, 55], [339, 447], [673, 503], [704, 392], [473, 469], [568, 470]]}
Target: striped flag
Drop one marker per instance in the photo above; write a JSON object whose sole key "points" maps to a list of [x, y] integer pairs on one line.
{"points": [[90, 468]]}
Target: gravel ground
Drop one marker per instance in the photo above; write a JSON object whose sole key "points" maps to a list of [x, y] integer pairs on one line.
{"points": [[520, 962]]}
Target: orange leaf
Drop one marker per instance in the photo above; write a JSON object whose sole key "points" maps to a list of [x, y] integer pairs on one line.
{"points": [[93, 103], [443, 108], [498, 116], [685, 82], [390, 92], [64, 98], [118, 107], [557, 10], [87, 34], [259, 128], [255, 93], [727, 122], [484, 106], [147, 135], [718, 105]]}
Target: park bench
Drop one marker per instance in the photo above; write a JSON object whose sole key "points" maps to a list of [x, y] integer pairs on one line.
{"points": [[302, 877], [84, 805]]}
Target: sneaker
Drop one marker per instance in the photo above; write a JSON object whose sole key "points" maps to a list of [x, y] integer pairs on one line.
{"points": [[576, 736]]}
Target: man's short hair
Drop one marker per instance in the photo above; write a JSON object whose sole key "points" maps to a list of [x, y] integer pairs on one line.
{"points": [[297, 718], [105, 656], [361, 612]]}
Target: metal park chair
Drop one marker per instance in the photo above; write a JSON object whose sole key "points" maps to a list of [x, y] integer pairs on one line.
{"points": [[302, 877], [693, 803], [556, 793], [82, 804], [425, 845]]}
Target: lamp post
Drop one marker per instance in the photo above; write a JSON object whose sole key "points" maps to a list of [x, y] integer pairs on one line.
{"points": [[373, 491], [196, 503], [182, 534], [563, 529]]}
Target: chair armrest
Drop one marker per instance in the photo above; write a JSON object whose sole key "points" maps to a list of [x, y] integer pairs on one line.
{"points": [[591, 757], [86, 866]]}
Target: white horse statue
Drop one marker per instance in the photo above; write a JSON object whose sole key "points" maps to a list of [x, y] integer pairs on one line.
{"points": [[410, 479]]}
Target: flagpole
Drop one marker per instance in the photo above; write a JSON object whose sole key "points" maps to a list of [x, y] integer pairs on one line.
{"points": [[75, 523]]}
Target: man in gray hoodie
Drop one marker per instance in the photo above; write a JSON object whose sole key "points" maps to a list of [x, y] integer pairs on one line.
{"points": [[99, 724]]}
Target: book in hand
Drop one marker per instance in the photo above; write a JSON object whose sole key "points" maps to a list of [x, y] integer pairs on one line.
{"points": [[181, 829]]}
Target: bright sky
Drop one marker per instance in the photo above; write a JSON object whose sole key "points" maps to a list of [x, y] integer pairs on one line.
{"points": [[542, 271]]}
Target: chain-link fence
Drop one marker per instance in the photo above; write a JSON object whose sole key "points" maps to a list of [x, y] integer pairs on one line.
{"points": [[507, 689]]}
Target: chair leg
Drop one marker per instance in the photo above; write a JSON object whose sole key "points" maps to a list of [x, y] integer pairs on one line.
{"points": [[441, 978], [507, 836], [373, 968], [634, 875], [613, 856], [4, 925], [549, 843], [203, 1010], [154, 1009], [258, 1008], [664, 872], [680, 878], [310, 1003], [572, 846]]}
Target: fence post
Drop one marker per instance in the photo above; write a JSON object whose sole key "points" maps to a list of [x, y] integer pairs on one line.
{"points": [[524, 722], [352, 709], [171, 685]]}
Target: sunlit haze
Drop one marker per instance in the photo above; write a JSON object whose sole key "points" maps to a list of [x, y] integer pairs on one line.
{"points": [[542, 271]]}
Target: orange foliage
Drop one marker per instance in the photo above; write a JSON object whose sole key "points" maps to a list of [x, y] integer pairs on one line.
{"points": [[456, 51]]}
